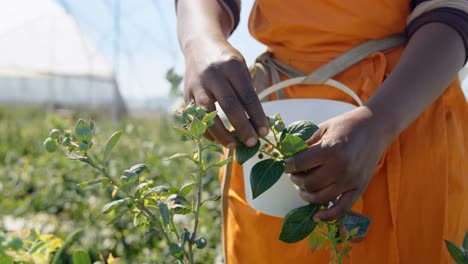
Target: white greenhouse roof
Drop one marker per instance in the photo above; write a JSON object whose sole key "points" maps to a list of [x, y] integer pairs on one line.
{"points": [[37, 37]]}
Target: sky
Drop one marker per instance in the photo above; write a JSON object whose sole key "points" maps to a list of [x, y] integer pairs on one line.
{"points": [[148, 41]]}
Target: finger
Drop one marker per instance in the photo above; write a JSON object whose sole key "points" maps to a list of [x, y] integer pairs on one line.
{"points": [[234, 110], [298, 180], [314, 156], [320, 177], [343, 205], [324, 196], [217, 130], [316, 136], [242, 84]]}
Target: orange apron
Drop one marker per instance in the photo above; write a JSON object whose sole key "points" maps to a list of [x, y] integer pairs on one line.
{"points": [[418, 194]]}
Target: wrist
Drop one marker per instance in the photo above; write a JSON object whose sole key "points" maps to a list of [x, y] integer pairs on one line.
{"points": [[379, 123], [193, 44]]}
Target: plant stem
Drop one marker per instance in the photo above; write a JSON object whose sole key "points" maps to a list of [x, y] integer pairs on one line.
{"points": [[140, 206], [171, 219], [275, 146], [200, 175]]}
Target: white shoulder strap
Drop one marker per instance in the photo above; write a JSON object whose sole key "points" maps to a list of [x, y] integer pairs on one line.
{"points": [[324, 74]]}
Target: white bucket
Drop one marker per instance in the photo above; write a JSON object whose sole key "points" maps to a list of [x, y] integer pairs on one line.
{"points": [[283, 196]]}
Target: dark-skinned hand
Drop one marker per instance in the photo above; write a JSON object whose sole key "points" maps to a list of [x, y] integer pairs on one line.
{"points": [[340, 161], [216, 72]]}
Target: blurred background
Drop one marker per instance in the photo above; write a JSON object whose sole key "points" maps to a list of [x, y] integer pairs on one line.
{"points": [[95, 52], [117, 62]]}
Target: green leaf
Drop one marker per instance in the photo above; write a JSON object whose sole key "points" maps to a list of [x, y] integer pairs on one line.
{"points": [[244, 153], [91, 183], [220, 163], [159, 190], [292, 144], [346, 252], [321, 239], [215, 148], [81, 257], [118, 217], [36, 246], [140, 169], [209, 117], [356, 220], [110, 145], [197, 128], [128, 176], [212, 199], [83, 131], [112, 205], [456, 252], [176, 251], [313, 240], [465, 241], [184, 237], [298, 224], [81, 158], [136, 220], [164, 211], [187, 188], [302, 129], [265, 174], [180, 156], [178, 204]]}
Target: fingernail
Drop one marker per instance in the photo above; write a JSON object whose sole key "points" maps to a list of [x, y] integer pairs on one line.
{"points": [[316, 219], [263, 131], [290, 168], [251, 142], [231, 145]]}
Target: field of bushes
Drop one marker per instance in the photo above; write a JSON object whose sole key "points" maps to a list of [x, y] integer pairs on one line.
{"points": [[39, 195]]}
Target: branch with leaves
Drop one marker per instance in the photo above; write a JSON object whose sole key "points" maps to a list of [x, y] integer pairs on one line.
{"points": [[135, 193]]}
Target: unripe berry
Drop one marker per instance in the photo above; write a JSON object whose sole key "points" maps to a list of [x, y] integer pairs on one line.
{"points": [[201, 112], [67, 133], [200, 242], [50, 145], [191, 109], [54, 134], [279, 125], [66, 142], [260, 156]]}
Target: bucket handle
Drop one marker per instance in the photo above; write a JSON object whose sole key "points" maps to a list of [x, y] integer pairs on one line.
{"points": [[300, 80]]}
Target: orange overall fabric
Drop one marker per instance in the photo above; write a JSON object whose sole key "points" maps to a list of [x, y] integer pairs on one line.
{"points": [[418, 195]]}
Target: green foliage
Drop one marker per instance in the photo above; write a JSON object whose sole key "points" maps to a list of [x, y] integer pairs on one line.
{"points": [[81, 257], [292, 144], [458, 254], [244, 153], [39, 190], [302, 129], [28, 247], [110, 145], [357, 222], [265, 174], [298, 224], [152, 207]]}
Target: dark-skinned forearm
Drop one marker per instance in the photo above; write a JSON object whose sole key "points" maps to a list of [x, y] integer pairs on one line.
{"points": [[198, 20], [430, 62]]}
